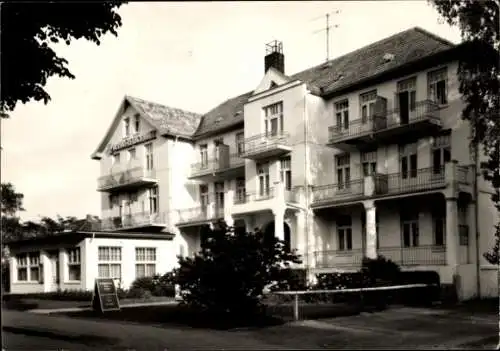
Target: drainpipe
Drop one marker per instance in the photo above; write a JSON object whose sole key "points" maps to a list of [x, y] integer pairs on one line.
{"points": [[306, 185], [476, 218]]}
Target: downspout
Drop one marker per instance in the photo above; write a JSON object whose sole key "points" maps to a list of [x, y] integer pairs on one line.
{"points": [[476, 218], [306, 185]]}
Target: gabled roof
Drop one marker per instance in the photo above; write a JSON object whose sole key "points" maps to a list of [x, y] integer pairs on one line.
{"points": [[405, 48], [167, 120]]}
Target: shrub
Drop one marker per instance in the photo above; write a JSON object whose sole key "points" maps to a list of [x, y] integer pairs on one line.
{"points": [[380, 271], [157, 285], [230, 272]]}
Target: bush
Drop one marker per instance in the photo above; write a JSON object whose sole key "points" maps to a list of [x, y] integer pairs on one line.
{"points": [[380, 271], [230, 272], [157, 285]]}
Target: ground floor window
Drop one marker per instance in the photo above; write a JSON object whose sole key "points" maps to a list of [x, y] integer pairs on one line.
{"points": [[145, 258], [344, 233], [109, 265], [28, 267], [74, 265]]}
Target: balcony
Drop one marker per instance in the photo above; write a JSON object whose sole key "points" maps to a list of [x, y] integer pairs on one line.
{"points": [[136, 221], [386, 126], [267, 200], [266, 145], [380, 185], [224, 167], [129, 179], [426, 255], [341, 259], [199, 215]]}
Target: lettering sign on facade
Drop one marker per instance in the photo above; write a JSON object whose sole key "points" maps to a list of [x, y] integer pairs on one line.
{"points": [[130, 141]]}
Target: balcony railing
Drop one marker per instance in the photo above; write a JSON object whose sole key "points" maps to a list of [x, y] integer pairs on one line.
{"points": [[266, 144], [413, 180], [339, 258], [425, 110], [350, 190], [200, 214], [136, 175], [217, 165], [133, 220], [427, 255], [246, 197]]}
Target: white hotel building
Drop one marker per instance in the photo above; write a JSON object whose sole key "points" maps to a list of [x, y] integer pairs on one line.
{"points": [[363, 155]]}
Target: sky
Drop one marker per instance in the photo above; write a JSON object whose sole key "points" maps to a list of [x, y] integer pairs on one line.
{"points": [[191, 55]]}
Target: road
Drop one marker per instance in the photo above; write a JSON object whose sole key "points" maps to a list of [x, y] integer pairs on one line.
{"points": [[396, 328]]}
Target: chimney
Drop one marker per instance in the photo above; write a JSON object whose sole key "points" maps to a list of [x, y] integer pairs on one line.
{"points": [[274, 56]]}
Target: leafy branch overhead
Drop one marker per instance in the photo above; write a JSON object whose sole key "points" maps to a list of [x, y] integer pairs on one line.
{"points": [[28, 29], [479, 75]]}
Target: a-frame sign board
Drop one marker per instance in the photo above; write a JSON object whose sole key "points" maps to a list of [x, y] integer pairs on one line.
{"points": [[105, 297]]}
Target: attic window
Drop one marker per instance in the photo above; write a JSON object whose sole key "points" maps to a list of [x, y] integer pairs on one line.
{"points": [[273, 84], [388, 57], [237, 113], [218, 120]]}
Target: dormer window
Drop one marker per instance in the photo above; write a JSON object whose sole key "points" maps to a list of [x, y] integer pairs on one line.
{"points": [[137, 123], [273, 84], [126, 126]]}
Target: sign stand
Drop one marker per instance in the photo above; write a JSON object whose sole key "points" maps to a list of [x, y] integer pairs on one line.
{"points": [[105, 296]]}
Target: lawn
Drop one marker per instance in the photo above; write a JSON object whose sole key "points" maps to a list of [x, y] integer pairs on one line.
{"points": [[177, 315]]}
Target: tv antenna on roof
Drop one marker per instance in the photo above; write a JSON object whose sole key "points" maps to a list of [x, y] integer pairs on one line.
{"points": [[327, 29]]}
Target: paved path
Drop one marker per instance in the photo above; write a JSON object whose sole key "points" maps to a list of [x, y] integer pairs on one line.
{"points": [[77, 309]]}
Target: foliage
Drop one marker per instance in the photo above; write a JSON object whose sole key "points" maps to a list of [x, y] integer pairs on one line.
{"points": [[478, 75], [380, 270], [11, 201], [158, 285], [229, 273], [28, 30]]}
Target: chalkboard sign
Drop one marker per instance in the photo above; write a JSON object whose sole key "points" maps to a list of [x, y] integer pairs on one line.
{"points": [[105, 297]]}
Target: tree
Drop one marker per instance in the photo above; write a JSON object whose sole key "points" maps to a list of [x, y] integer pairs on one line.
{"points": [[478, 75], [11, 201], [28, 28], [231, 270]]}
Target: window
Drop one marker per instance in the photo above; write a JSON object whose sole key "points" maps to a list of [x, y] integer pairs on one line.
{"points": [[204, 196], [22, 267], [463, 235], [409, 228], [367, 105], [131, 154], [204, 155], [240, 143], [217, 147], [343, 171], [145, 258], [74, 266], [273, 122], [439, 230], [441, 153], [369, 162], [113, 201], [342, 114], [110, 259], [34, 261], [344, 233], [126, 123], [153, 200], [263, 174], [408, 160], [286, 172], [219, 196], [240, 190], [437, 86], [137, 123], [116, 158], [149, 156]]}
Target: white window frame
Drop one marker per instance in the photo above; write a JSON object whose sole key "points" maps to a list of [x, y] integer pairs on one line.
{"points": [[263, 180], [434, 77], [240, 143], [219, 195], [148, 150], [367, 102], [406, 153], [145, 257], [154, 200], [441, 146], [240, 189], [343, 171], [342, 114], [368, 163], [22, 264], [286, 172], [74, 262], [203, 155], [411, 221], [112, 257], [29, 261], [344, 233], [408, 85], [273, 112]]}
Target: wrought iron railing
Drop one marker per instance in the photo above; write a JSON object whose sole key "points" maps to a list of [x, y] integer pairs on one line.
{"points": [[200, 213], [264, 142], [131, 220], [338, 192], [217, 165], [431, 255], [423, 110], [129, 176], [264, 194], [339, 258], [412, 180]]}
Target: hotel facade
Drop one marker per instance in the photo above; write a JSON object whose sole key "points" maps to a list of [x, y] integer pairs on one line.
{"points": [[363, 155]]}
